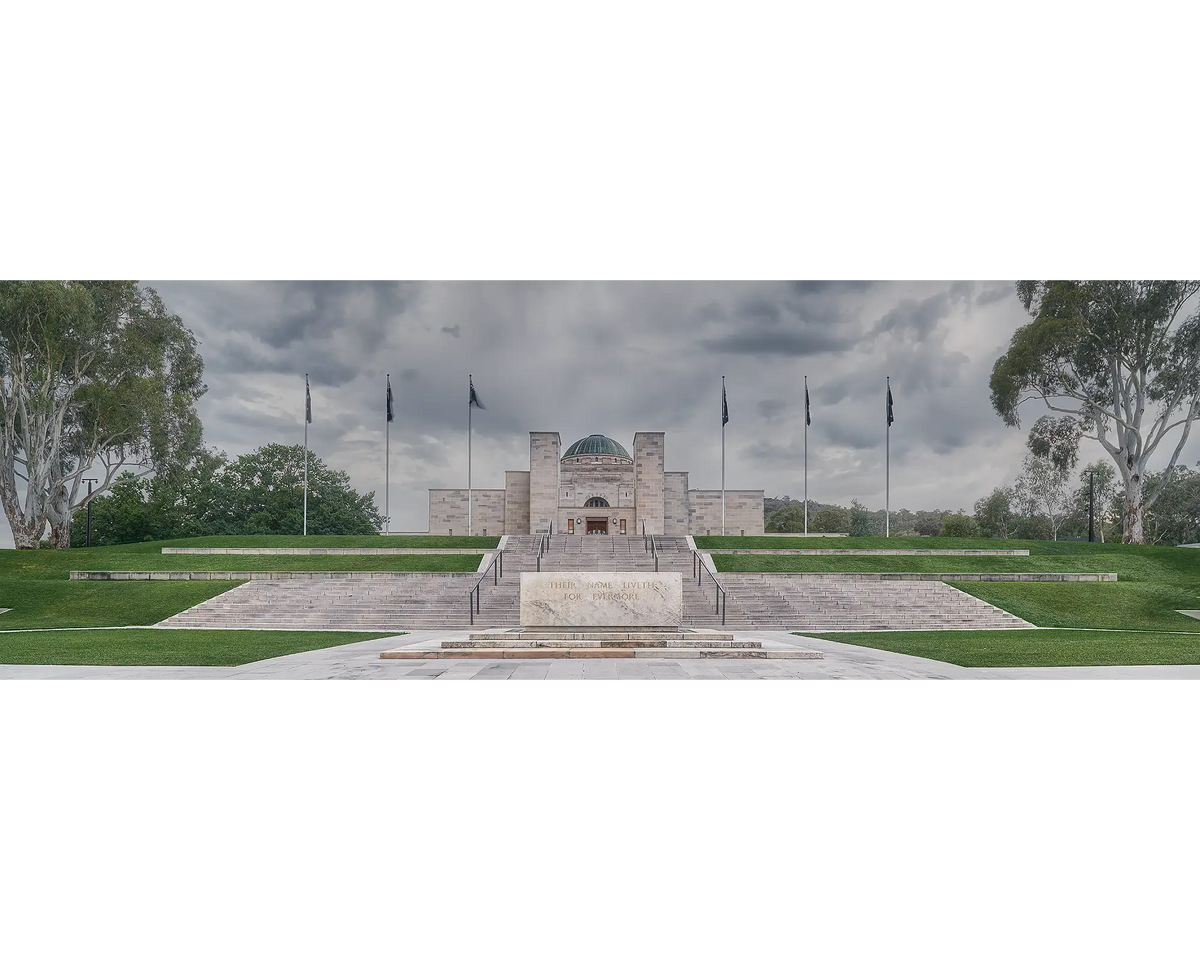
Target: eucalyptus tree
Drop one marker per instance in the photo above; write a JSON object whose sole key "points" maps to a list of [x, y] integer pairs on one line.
{"points": [[94, 376], [1115, 361], [1042, 491]]}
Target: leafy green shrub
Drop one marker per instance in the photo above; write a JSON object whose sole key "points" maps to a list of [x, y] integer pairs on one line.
{"points": [[959, 525]]}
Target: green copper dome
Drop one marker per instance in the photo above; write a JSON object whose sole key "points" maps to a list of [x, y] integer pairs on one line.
{"points": [[596, 445]]}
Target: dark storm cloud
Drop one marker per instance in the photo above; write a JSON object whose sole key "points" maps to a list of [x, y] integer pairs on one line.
{"points": [[771, 409], [788, 343], [453, 331], [313, 309], [994, 294], [831, 286], [760, 310], [914, 318]]}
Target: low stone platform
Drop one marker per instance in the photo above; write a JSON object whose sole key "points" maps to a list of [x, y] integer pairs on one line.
{"points": [[625, 644], [600, 638], [607, 653]]}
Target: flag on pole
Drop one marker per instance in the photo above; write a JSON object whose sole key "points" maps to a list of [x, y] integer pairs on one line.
{"points": [[807, 414], [307, 402], [724, 407], [474, 401], [890, 418], [390, 415]]}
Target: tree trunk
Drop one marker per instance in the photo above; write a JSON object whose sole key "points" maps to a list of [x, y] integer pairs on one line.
{"points": [[1135, 514], [26, 535], [61, 534]]}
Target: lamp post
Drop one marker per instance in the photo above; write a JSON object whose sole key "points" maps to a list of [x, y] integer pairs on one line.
{"points": [[89, 481], [1091, 506]]}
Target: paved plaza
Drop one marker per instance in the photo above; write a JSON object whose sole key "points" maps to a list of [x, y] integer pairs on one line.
{"points": [[361, 661]]}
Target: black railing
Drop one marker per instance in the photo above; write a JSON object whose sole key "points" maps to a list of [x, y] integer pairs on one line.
{"points": [[699, 569], [654, 551], [496, 567]]}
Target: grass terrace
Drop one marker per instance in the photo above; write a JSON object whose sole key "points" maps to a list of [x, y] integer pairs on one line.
{"points": [[34, 585], [1034, 648], [177, 648]]}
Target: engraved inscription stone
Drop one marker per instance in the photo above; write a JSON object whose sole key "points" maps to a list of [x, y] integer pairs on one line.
{"points": [[583, 599]]}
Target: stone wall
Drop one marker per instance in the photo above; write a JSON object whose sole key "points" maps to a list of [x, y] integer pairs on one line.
{"points": [[544, 451], [580, 482], [516, 501], [582, 513], [649, 456], [675, 522], [743, 512], [448, 512]]}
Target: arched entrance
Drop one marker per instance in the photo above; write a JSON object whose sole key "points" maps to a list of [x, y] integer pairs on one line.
{"points": [[596, 524]]}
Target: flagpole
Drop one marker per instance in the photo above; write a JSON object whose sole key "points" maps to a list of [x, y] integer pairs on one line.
{"points": [[469, 405], [722, 456], [806, 456], [887, 474], [306, 402], [387, 465]]}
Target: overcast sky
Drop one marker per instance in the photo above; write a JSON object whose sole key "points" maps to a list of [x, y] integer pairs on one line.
{"points": [[614, 358]]}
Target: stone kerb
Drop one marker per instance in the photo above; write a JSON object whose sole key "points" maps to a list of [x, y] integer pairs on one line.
{"points": [[263, 574], [878, 553], [558, 601], [898, 575], [325, 551]]}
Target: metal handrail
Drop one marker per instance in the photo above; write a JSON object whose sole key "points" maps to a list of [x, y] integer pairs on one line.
{"points": [[496, 566], [654, 551], [721, 598]]}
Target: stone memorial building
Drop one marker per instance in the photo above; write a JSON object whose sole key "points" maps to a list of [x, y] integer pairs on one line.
{"points": [[596, 487]]}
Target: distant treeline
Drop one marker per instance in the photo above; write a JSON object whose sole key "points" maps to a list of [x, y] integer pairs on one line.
{"points": [[1043, 504]]}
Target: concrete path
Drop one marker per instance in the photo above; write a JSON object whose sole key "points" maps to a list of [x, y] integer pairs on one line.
{"points": [[360, 661]]}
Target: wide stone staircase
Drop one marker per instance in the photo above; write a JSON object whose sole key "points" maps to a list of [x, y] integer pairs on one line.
{"points": [[430, 601], [416, 601], [817, 604]]}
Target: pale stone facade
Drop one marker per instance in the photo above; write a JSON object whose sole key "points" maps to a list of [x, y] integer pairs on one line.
{"points": [[596, 487]]}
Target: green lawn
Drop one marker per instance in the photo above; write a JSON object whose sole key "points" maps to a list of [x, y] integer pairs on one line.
{"points": [[1149, 568], [1046, 547], [35, 584], [413, 562], [84, 603], [1032, 648], [185, 648], [1123, 606], [409, 542]]}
